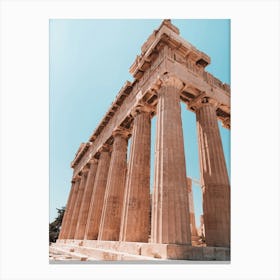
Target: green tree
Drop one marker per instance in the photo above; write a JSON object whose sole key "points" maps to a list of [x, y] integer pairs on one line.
{"points": [[54, 227]]}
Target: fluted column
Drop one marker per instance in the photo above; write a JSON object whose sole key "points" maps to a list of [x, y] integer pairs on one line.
{"points": [[170, 214], [191, 207], [214, 177], [67, 213], [135, 225], [77, 205], [83, 213], [113, 201], [97, 198]]}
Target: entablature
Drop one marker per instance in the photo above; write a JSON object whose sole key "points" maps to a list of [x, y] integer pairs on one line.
{"points": [[166, 34], [121, 96], [166, 54], [80, 153]]}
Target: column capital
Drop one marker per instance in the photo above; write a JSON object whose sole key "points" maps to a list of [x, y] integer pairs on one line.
{"points": [[105, 148], [93, 161], [202, 100], [172, 81], [121, 132], [142, 107], [85, 170], [76, 178]]}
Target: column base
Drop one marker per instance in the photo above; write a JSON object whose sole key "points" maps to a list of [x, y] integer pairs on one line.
{"points": [[117, 250]]}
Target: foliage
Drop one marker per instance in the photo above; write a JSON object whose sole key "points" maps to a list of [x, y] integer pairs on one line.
{"points": [[54, 227]]}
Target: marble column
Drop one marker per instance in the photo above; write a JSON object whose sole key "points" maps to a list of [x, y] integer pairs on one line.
{"points": [[97, 198], [135, 225], [113, 201], [83, 213], [191, 207], [67, 216], [77, 205], [214, 177], [170, 213]]}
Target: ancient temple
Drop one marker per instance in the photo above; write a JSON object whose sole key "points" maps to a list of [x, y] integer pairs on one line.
{"points": [[109, 213]]}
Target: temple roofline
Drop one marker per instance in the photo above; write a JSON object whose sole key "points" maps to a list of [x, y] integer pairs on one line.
{"points": [[167, 33]]}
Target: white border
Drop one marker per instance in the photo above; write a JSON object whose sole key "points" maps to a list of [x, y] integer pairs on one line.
{"points": [[255, 137]]}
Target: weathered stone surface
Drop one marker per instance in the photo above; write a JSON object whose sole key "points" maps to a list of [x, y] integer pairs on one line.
{"points": [[135, 224], [200, 230], [179, 58], [191, 208], [97, 199], [69, 216], [84, 209], [170, 214], [116, 206], [116, 250], [215, 182], [113, 201], [69, 210], [77, 205]]}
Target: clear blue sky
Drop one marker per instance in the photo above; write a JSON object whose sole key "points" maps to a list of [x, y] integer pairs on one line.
{"points": [[89, 62]]}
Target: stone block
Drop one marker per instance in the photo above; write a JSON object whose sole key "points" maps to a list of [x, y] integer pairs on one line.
{"points": [[208, 253], [90, 243], [158, 251], [130, 247], [197, 253], [222, 254], [115, 250]]}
